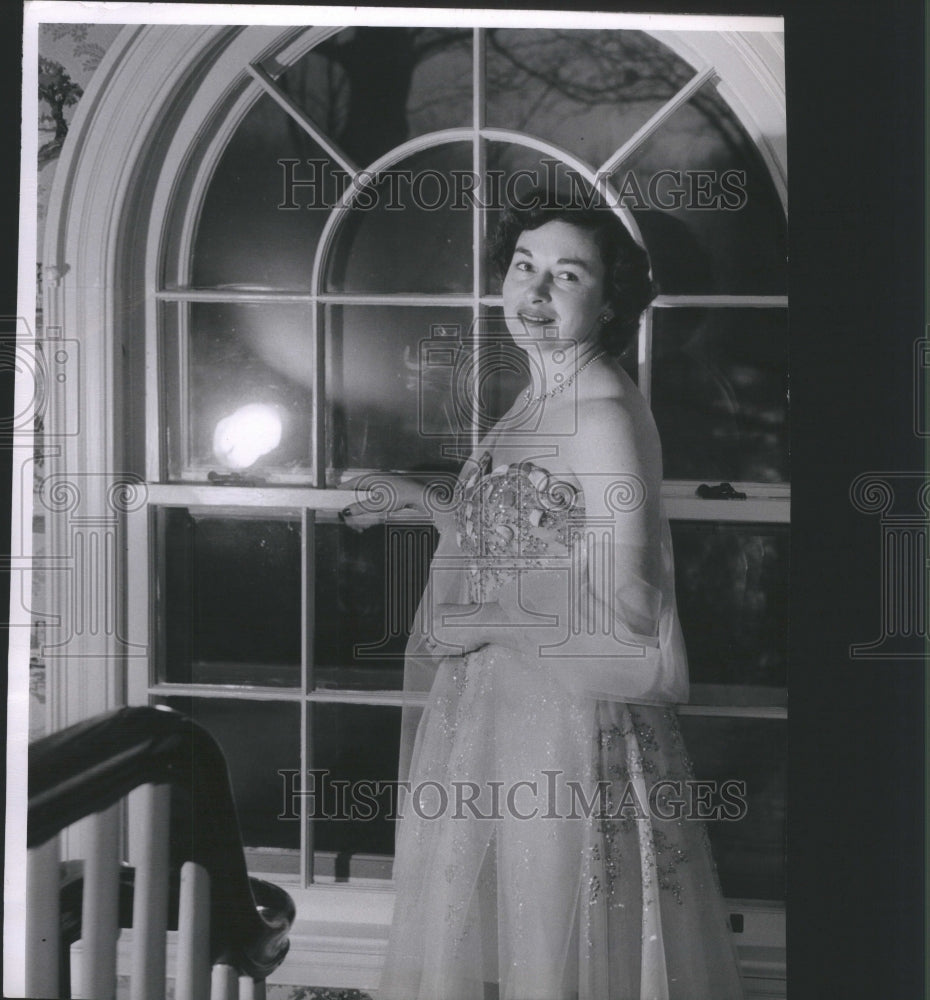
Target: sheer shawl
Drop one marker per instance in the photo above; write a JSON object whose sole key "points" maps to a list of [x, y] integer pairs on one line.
{"points": [[600, 639]]}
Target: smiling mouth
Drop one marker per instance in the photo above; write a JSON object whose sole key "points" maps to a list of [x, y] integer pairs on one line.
{"points": [[535, 319]]}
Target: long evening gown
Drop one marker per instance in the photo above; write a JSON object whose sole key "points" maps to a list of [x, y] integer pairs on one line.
{"points": [[593, 896]]}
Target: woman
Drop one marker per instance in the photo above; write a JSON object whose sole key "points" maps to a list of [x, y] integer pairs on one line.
{"points": [[548, 849]]}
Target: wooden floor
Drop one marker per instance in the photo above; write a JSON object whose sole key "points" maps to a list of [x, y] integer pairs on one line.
{"points": [[274, 992]]}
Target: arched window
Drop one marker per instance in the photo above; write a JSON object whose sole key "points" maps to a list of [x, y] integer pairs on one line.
{"points": [[315, 207]]}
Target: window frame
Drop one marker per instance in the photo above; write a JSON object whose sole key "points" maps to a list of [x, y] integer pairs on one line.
{"points": [[174, 263]]}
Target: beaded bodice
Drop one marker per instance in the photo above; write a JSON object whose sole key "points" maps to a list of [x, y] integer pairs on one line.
{"points": [[511, 518]]}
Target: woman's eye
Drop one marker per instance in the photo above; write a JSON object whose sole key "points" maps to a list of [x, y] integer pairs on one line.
{"points": [[568, 276], [522, 265]]}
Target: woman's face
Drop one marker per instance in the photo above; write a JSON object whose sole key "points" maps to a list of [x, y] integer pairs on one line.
{"points": [[555, 283]]}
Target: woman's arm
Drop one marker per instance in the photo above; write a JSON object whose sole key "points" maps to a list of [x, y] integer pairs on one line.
{"points": [[618, 462], [462, 628], [380, 493]]}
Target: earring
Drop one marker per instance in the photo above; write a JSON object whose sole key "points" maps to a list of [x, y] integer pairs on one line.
{"points": [[606, 317]]}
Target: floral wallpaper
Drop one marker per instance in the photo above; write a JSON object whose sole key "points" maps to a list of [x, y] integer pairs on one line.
{"points": [[69, 54]]}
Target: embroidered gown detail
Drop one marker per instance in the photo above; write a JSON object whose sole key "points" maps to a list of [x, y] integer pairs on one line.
{"points": [[543, 852]]}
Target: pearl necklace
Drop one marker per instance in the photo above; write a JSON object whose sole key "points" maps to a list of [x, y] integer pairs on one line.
{"points": [[562, 384]]}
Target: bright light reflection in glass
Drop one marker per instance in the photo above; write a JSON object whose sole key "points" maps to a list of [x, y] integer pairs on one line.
{"points": [[244, 436]]}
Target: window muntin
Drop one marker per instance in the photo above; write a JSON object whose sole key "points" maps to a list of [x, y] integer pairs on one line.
{"points": [[476, 306], [247, 188], [702, 196], [586, 91], [373, 89], [431, 252]]}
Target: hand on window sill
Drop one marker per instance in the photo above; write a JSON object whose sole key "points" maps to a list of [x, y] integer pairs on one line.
{"points": [[379, 494]]}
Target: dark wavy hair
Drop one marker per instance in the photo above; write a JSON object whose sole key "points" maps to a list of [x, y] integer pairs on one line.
{"points": [[629, 288]]}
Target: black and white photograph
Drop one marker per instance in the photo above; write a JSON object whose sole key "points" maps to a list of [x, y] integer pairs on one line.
{"points": [[402, 562]]}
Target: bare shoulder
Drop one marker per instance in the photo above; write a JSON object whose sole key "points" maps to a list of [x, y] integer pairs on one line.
{"points": [[624, 420], [620, 413], [613, 398], [615, 448]]}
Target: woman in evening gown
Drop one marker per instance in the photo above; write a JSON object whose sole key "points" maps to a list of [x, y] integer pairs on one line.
{"points": [[547, 848]]}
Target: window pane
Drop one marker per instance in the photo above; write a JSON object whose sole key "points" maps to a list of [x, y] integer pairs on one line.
{"points": [[392, 395], [586, 91], [410, 231], [230, 599], [731, 582], [715, 225], [719, 393], [256, 227], [358, 744], [368, 587], [240, 385], [504, 373], [371, 89], [749, 852], [258, 739]]}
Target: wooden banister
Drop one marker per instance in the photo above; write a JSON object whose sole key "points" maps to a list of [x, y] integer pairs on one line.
{"points": [[86, 770]]}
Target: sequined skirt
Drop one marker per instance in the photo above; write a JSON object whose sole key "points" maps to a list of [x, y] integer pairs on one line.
{"points": [[548, 850]]}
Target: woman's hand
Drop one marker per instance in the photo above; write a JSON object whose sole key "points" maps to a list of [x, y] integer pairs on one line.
{"points": [[380, 493], [468, 626], [384, 493]]}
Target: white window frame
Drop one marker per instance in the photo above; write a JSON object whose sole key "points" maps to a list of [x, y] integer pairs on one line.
{"points": [[114, 178]]}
